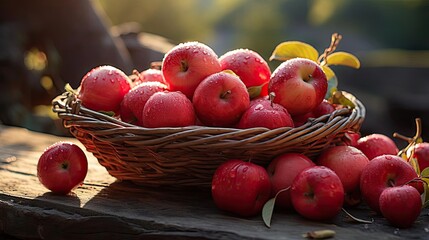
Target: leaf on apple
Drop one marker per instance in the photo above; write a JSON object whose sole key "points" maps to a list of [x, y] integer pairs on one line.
{"points": [[342, 58], [294, 49], [255, 91], [267, 211], [339, 98]]}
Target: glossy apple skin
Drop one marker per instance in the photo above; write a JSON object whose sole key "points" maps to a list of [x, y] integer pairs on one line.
{"points": [[241, 187], [421, 153], [317, 193], [187, 64], [282, 171], [150, 75], [383, 172], [266, 114], [299, 84], [401, 205], [220, 100], [103, 88], [134, 101], [161, 110], [376, 144], [62, 167], [252, 69], [347, 162]]}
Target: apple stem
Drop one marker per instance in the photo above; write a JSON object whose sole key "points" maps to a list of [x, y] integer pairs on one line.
{"points": [[271, 97], [335, 40], [411, 141], [184, 66], [224, 94]]}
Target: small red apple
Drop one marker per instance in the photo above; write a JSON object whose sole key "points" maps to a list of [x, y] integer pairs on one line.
{"points": [[376, 144], [103, 88], [299, 84], [150, 75], [383, 172], [282, 171], [168, 109], [400, 205], [62, 167], [421, 153], [252, 69], [317, 193], [241, 187], [265, 114], [187, 64], [221, 99], [325, 107], [134, 101], [347, 162]]}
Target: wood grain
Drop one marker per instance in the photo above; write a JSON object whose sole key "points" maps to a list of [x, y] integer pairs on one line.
{"points": [[103, 208]]}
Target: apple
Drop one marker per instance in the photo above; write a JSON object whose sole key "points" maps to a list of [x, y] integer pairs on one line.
{"points": [[150, 75], [400, 205], [252, 69], [134, 101], [351, 138], [265, 114], [241, 187], [325, 107], [383, 172], [317, 193], [299, 84], [62, 167], [221, 99], [168, 109], [347, 162], [103, 88], [421, 153], [187, 64], [282, 171], [376, 144]]}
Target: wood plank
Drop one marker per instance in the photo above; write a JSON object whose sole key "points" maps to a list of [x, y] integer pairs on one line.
{"points": [[103, 208]]}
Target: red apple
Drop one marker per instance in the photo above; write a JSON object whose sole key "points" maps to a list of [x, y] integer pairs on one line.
{"points": [[150, 75], [187, 64], [162, 110], [221, 99], [241, 187], [252, 69], [103, 88], [421, 153], [351, 138], [282, 171], [383, 172], [376, 144], [299, 120], [400, 205], [62, 167], [317, 193], [325, 107], [265, 114], [134, 101], [347, 162], [299, 84]]}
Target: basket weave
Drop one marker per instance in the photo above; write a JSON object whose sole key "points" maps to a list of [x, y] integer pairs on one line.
{"points": [[188, 156]]}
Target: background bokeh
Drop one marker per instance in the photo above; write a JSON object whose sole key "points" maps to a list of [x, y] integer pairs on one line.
{"points": [[67, 39]]}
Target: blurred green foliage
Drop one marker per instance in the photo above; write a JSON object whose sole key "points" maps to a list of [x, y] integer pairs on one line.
{"points": [[261, 25]]}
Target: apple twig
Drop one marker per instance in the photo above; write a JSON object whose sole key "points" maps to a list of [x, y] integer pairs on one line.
{"points": [[357, 219]]}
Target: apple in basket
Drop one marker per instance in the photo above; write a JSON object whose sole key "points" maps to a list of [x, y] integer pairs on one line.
{"points": [[376, 144], [99, 81], [252, 69], [161, 110], [187, 64], [240, 187], [221, 99], [62, 167], [150, 75], [299, 84]]}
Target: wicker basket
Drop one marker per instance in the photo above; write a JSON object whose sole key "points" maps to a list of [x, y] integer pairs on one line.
{"points": [[188, 156]]}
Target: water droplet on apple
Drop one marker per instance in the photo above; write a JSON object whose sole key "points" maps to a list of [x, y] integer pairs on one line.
{"points": [[247, 57], [426, 229], [245, 170], [112, 80], [232, 175], [195, 51], [332, 186], [204, 52], [388, 157], [259, 107], [187, 47]]}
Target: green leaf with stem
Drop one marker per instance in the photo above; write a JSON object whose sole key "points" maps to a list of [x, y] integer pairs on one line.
{"points": [[268, 209]]}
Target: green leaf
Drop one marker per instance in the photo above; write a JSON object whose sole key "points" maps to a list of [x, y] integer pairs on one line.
{"points": [[255, 91], [267, 211], [414, 163], [332, 87], [342, 58], [425, 173], [339, 98], [294, 49]]}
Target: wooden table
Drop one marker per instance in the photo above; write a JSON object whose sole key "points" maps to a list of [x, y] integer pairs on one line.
{"points": [[103, 208]]}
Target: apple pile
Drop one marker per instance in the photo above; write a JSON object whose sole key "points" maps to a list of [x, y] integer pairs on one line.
{"points": [[193, 86]]}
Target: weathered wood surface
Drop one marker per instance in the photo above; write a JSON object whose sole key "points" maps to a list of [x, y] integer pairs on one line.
{"points": [[105, 209]]}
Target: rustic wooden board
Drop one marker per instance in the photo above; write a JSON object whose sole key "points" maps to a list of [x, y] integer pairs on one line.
{"points": [[103, 208]]}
